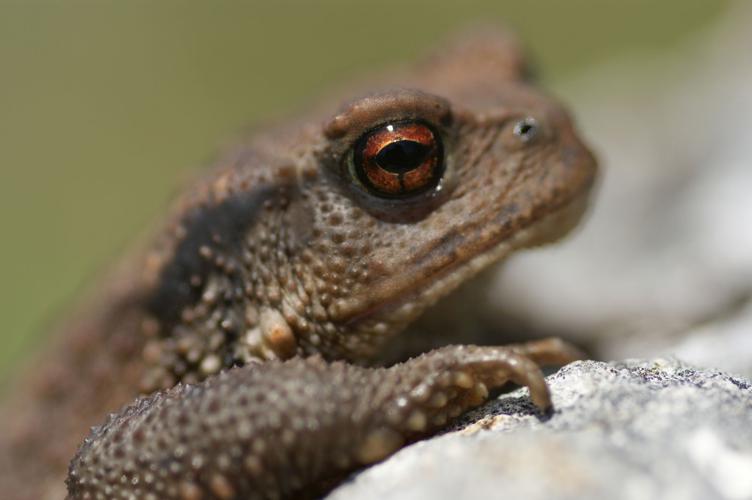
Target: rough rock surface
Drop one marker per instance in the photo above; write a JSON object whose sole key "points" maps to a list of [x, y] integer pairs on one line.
{"points": [[632, 430]]}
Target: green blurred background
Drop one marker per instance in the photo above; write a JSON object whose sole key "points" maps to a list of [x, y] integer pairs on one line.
{"points": [[105, 105]]}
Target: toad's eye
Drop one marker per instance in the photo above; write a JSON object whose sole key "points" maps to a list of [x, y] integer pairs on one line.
{"points": [[399, 159]]}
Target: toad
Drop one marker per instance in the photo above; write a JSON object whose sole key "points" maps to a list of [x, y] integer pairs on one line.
{"points": [[249, 336]]}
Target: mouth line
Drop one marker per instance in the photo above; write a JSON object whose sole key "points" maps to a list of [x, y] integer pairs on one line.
{"points": [[454, 268]]}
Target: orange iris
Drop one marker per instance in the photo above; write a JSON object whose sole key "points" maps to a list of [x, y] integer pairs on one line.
{"points": [[399, 159]]}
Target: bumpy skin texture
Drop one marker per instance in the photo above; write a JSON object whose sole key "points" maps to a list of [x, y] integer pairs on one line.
{"points": [[270, 432], [281, 252]]}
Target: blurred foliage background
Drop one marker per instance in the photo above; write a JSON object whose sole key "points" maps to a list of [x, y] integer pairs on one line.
{"points": [[104, 105]]}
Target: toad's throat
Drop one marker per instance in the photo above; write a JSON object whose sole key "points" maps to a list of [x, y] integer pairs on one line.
{"points": [[451, 261]]}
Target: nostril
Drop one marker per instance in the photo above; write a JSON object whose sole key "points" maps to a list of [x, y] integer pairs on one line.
{"points": [[526, 129]]}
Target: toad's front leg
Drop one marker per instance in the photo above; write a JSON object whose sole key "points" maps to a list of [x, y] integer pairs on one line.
{"points": [[273, 430]]}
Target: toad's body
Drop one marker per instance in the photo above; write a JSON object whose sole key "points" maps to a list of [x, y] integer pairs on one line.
{"points": [[325, 238]]}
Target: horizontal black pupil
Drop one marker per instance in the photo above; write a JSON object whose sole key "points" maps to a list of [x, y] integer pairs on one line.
{"points": [[402, 156]]}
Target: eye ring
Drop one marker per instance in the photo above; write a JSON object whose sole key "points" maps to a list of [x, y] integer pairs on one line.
{"points": [[399, 159]]}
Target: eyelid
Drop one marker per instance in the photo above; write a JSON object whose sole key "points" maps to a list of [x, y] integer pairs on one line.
{"points": [[402, 104]]}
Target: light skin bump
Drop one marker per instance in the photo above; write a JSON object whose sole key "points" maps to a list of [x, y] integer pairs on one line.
{"points": [[377, 445], [463, 380], [417, 421], [221, 487], [438, 400]]}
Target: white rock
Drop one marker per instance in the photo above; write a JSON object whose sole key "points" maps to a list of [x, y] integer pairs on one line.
{"points": [[634, 431]]}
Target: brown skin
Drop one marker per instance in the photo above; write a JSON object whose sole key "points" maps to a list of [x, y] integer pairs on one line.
{"points": [[286, 250]]}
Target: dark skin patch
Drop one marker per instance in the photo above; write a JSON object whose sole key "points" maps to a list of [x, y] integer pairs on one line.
{"points": [[221, 228]]}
